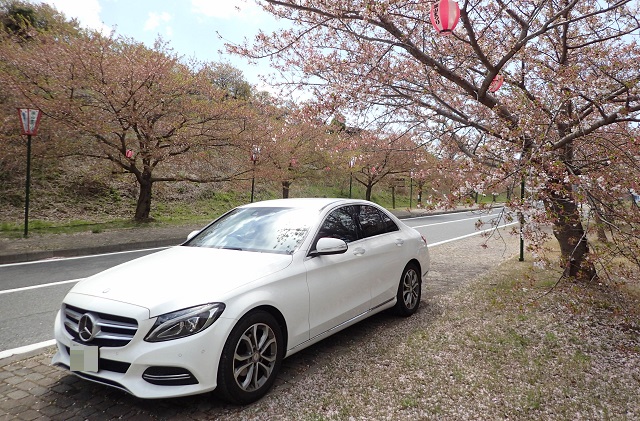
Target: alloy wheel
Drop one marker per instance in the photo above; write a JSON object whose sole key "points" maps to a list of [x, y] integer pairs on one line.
{"points": [[255, 357], [410, 289]]}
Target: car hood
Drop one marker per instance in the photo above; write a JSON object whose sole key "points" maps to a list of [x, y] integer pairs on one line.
{"points": [[181, 277]]}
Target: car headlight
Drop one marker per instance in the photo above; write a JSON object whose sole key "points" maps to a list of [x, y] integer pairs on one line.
{"points": [[181, 323]]}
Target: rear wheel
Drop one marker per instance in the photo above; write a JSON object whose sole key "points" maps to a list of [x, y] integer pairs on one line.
{"points": [[409, 291], [251, 358]]}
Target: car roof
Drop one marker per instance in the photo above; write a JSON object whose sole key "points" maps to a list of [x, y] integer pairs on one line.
{"points": [[306, 202]]}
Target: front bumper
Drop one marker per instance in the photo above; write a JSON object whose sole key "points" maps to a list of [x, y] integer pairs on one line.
{"points": [[174, 368]]}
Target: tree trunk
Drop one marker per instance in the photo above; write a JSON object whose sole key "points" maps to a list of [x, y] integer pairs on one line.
{"points": [[143, 207], [285, 189], [570, 233], [368, 192], [602, 234]]}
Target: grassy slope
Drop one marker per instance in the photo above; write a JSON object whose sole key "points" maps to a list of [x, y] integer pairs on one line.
{"points": [[106, 207]]}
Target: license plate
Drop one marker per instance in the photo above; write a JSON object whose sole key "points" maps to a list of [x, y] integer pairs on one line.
{"points": [[83, 357]]}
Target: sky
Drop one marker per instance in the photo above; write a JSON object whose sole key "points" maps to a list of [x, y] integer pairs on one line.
{"points": [[192, 27]]}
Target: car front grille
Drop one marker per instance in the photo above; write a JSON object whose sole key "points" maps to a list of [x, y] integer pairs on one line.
{"points": [[113, 331]]}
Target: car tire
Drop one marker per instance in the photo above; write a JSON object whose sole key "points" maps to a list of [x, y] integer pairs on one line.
{"points": [[409, 291], [251, 358]]}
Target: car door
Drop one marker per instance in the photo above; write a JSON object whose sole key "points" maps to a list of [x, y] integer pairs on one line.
{"points": [[338, 285], [384, 253]]}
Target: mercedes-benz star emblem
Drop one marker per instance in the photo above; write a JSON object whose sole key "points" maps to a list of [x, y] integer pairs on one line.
{"points": [[87, 327]]}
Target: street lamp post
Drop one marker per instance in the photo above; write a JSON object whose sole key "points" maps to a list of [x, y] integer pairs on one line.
{"points": [[29, 119], [255, 152]]}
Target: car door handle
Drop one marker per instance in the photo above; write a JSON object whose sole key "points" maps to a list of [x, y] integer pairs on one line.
{"points": [[359, 251], [399, 242]]}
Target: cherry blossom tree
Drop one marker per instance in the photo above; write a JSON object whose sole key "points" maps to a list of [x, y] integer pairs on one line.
{"points": [[564, 121], [294, 150], [375, 156], [22, 23], [141, 109]]}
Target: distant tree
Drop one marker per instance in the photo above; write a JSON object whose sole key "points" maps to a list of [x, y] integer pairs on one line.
{"points": [[375, 156], [23, 20], [228, 78], [295, 148], [429, 181], [140, 109]]}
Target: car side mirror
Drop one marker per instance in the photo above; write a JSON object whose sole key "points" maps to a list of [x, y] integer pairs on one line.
{"points": [[192, 234], [326, 246]]}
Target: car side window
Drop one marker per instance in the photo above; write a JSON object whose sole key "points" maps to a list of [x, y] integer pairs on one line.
{"points": [[389, 225], [371, 221], [341, 224]]}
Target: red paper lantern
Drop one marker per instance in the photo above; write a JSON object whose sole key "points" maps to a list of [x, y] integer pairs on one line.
{"points": [[255, 152], [445, 15], [496, 83]]}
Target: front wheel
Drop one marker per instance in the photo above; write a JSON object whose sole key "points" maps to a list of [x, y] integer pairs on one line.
{"points": [[251, 358], [409, 291]]}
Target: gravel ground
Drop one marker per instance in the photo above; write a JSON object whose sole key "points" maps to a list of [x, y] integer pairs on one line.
{"points": [[479, 348], [354, 365], [344, 377]]}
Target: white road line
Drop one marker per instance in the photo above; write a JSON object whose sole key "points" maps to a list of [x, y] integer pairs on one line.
{"points": [[27, 348], [457, 220], [7, 291], [476, 211], [471, 235]]}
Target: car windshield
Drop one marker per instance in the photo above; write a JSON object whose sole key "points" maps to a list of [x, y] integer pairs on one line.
{"points": [[261, 229]]}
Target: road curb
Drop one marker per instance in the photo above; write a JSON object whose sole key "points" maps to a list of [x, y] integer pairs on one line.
{"points": [[29, 256], [19, 356]]}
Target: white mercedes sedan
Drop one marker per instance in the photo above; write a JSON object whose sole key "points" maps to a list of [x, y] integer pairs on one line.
{"points": [[222, 310]]}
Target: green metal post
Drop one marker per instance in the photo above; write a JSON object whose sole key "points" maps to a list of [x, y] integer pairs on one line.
{"points": [[27, 187], [253, 180], [393, 197], [521, 221], [410, 192]]}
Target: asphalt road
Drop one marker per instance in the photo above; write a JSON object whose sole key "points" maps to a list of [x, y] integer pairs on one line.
{"points": [[439, 229], [31, 293]]}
